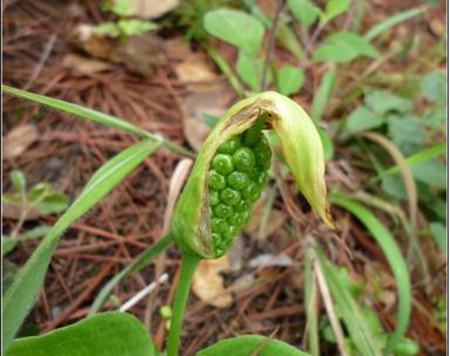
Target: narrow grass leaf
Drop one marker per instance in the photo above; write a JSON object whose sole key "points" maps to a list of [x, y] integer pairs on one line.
{"points": [[354, 320], [392, 21], [395, 260], [22, 294], [142, 261], [106, 334], [312, 318], [246, 345], [323, 95]]}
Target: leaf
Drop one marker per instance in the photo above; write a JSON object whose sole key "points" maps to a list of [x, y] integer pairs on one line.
{"points": [[394, 186], [343, 47], [250, 70], [433, 86], [289, 79], [335, 8], [95, 116], [141, 261], [18, 140], [237, 28], [8, 243], [384, 101], [311, 305], [133, 27], [327, 142], [395, 260], [18, 180], [348, 309], [439, 233], [305, 11], [432, 173], [406, 133], [22, 294], [362, 119], [392, 21], [106, 334], [246, 345], [323, 95]]}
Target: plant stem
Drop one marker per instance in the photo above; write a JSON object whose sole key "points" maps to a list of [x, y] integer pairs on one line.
{"points": [[188, 267]]}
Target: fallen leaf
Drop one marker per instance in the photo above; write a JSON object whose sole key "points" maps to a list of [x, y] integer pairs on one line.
{"points": [[177, 49], [151, 9], [80, 65], [195, 68], [207, 283], [269, 260], [18, 140]]}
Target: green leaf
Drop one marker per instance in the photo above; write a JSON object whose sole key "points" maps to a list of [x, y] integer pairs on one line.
{"points": [[433, 86], [327, 142], [250, 70], [143, 260], [132, 27], [363, 119], [246, 345], [395, 260], [432, 173], [406, 133], [392, 21], [335, 8], [394, 186], [106, 334], [237, 28], [22, 294], [290, 79], [95, 116], [348, 310], [120, 7], [107, 28], [305, 11], [323, 95], [384, 101], [8, 244], [18, 180], [343, 47], [440, 235]]}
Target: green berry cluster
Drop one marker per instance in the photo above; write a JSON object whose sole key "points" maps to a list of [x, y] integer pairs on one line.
{"points": [[237, 176]]}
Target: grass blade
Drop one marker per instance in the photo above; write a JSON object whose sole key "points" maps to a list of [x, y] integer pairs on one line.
{"points": [[95, 116], [142, 261], [323, 95], [312, 318], [21, 295], [356, 324], [394, 257], [392, 21]]}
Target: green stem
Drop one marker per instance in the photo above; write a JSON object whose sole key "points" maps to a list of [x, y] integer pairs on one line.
{"points": [[188, 267], [143, 260]]}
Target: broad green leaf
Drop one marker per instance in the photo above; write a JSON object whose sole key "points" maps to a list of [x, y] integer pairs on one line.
{"points": [[392, 21], [323, 95], [384, 101], [406, 133], [394, 186], [289, 79], [237, 28], [436, 118], [395, 260], [432, 173], [440, 235], [106, 334], [246, 345], [348, 310], [335, 8], [141, 261], [95, 116], [18, 180], [22, 294], [250, 70], [362, 119], [342, 47], [305, 11], [433, 86]]}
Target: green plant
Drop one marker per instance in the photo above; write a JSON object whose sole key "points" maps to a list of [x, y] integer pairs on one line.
{"points": [[240, 133]]}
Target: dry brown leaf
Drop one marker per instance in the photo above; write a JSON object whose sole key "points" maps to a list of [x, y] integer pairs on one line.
{"points": [[195, 68], [80, 65], [151, 9], [18, 140], [207, 283]]}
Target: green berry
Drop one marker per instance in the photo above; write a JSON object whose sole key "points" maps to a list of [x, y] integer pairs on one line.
{"points": [[263, 154], [229, 196], [216, 181], [231, 232], [262, 178], [219, 225], [251, 192], [242, 206], [223, 164], [237, 180], [230, 146], [236, 219], [213, 197], [222, 211], [244, 159]]}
